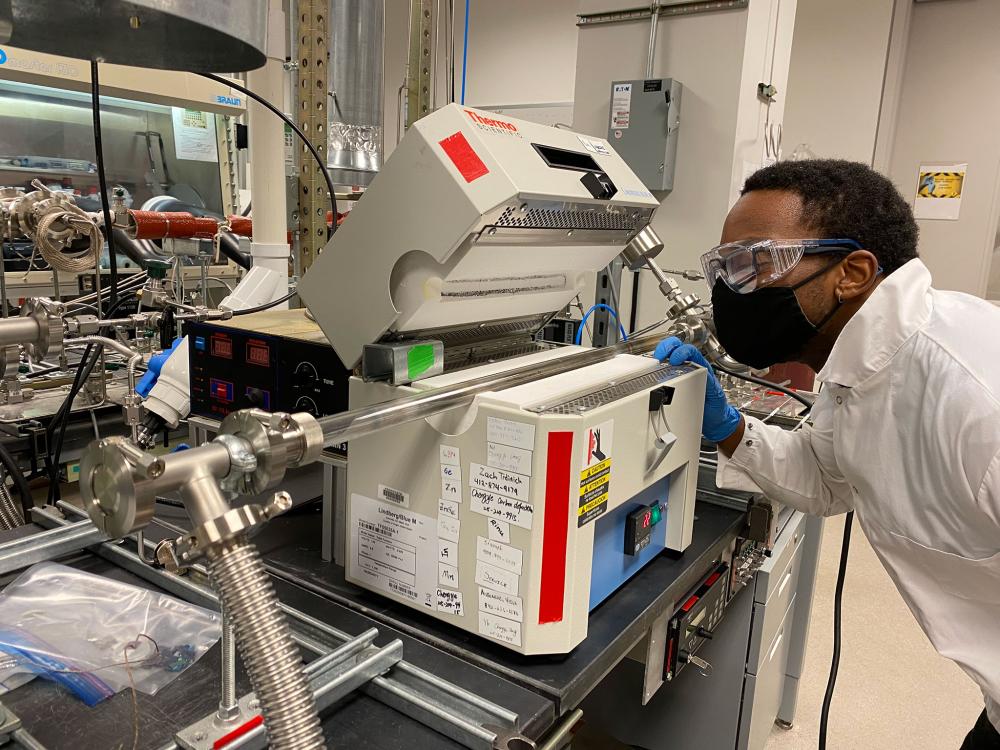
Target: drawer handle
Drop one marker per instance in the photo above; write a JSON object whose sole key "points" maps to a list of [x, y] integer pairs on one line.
{"points": [[777, 642], [784, 582]]}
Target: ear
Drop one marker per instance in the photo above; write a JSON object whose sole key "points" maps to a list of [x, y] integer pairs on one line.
{"points": [[859, 270]]}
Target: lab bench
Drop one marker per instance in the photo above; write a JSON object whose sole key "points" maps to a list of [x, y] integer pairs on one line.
{"points": [[609, 675]]}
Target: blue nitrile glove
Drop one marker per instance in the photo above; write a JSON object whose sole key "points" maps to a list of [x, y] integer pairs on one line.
{"points": [[719, 419]]}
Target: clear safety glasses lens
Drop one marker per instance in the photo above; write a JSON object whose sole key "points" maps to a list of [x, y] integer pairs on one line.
{"points": [[746, 266]]}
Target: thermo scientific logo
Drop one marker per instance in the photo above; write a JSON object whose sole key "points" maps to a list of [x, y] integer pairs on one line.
{"points": [[3, 57]]}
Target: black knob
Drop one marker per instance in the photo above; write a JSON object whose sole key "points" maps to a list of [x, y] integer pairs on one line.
{"points": [[706, 634], [305, 375]]}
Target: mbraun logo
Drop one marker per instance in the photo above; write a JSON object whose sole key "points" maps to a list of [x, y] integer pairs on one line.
{"points": [[3, 57], [232, 101]]}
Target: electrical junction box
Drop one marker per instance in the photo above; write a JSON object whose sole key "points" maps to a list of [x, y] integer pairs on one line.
{"points": [[642, 128]]}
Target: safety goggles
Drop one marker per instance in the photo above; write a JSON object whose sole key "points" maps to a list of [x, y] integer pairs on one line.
{"points": [[751, 264]]}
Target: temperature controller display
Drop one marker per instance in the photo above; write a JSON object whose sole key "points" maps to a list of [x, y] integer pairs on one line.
{"points": [[258, 353], [639, 527]]}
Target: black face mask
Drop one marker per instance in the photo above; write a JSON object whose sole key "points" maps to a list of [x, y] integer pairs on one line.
{"points": [[766, 326]]}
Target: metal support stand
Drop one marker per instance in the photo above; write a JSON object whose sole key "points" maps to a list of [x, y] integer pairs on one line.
{"points": [[467, 718], [607, 292]]}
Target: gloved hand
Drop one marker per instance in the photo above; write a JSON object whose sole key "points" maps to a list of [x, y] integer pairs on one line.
{"points": [[719, 420]]}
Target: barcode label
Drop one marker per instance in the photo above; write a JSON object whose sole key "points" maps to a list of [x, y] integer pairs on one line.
{"points": [[397, 497]]}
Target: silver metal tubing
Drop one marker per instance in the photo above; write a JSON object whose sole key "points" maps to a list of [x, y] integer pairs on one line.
{"points": [[19, 330], [48, 545], [134, 358], [555, 740], [349, 425], [654, 18], [180, 467], [202, 498], [10, 512], [269, 654]]}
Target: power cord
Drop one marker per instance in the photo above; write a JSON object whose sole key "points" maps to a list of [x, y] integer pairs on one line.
{"points": [[766, 384], [838, 604], [266, 305], [321, 163], [102, 179]]}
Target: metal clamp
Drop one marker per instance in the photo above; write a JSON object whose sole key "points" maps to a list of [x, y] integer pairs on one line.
{"points": [[230, 525], [278, 441]]}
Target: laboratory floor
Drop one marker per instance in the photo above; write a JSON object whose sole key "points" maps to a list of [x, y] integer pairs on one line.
{"points": [[893, 690]]}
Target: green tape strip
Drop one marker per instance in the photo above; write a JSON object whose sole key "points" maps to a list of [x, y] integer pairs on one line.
{"points": [[419, 360]]}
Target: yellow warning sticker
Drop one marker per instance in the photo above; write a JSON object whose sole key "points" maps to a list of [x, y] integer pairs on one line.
{"points": [[595, 474], [940, 184]]}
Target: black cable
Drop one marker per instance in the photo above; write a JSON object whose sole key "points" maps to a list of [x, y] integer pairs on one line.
{"points": [[27, 503], [47, 370], [82, 373], [838, 603], [102, 179], [266, 305], [295, 128], [634, 312], [767, 384]]}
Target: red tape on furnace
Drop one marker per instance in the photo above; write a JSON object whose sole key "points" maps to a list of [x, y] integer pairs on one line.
{"points": [[466, 161]]}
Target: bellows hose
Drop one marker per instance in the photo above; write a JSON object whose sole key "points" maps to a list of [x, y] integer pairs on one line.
{"points": [[269, 654]]}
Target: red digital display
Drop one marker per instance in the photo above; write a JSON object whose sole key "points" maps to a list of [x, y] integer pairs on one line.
{"points": [[258, 353], [222, 346], [647, 517]]}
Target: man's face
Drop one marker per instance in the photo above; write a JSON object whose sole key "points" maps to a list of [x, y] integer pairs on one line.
{"points": [[777, 215]]}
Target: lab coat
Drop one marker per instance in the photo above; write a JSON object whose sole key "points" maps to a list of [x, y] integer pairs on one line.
{"points": [[907, 433]]}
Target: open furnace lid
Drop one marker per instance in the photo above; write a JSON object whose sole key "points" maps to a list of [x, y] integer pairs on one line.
{"points": [[478, 227]]}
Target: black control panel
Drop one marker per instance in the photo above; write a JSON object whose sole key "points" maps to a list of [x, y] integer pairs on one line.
{"points": [[235, 368], [695, 622]]}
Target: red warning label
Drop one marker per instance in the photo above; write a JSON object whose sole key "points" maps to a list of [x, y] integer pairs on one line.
{"points": [[466, 161]]}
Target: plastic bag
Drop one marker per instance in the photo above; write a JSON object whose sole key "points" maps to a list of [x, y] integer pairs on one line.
{"points": [[87, 633]]}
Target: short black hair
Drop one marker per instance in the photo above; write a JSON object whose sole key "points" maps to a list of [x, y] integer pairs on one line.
{"points": [[849, 200]]}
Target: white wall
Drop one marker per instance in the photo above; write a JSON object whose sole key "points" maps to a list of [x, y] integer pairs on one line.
{"points": [[836, 75], [949, 111], [719, 57], [520, 51]]}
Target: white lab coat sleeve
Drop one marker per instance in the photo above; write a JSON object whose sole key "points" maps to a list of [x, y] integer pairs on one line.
{"points": [[988, 496], [795, 468]]}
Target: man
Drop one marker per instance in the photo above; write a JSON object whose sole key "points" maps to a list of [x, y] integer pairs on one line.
{"points": [[819, 265]]}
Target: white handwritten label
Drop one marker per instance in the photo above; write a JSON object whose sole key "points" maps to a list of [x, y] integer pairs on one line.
{"points": [[502, 555], [451, 472], [508, 458], [516, 434], [449, 528], [450, 455], [496, 578], [448, 508], [506, 509], [447, 552], [447, 575], [500, 628], [450, 602], [451, 489], [398, 497], [501, 482], [499, 531], [503, 605]]}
